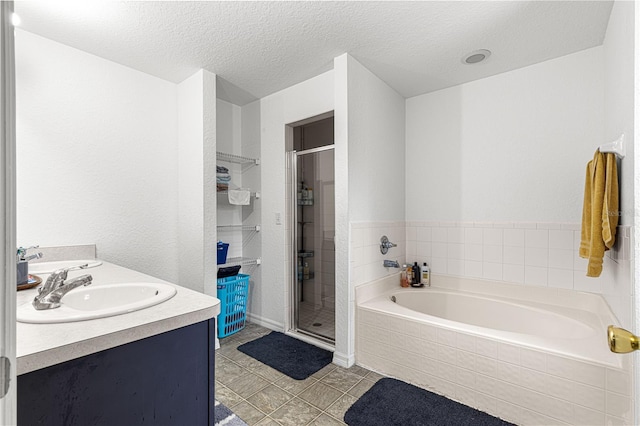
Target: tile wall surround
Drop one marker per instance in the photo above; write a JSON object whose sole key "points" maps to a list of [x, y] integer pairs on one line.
{"points": [[525, 253], [518, 384], [366, 259]]}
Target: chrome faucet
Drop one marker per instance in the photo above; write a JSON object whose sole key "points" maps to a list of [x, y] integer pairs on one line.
{"points": [[50, 293]]}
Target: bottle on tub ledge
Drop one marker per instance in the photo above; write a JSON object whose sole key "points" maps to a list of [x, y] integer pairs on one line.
{"points": [[425, 276], [415, 274]]}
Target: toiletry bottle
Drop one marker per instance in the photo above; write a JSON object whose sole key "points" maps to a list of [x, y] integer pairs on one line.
{"points": [[403, 279], [426, 276], [409, 274], [416, 275], [310, 194]]}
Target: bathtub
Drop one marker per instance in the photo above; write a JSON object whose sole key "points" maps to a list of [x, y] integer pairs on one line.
{"points": [[530, 355]]}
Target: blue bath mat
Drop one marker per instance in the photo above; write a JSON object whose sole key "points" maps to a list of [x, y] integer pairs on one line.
{"points": [[393, 402], [289, 356], [224, 416]]}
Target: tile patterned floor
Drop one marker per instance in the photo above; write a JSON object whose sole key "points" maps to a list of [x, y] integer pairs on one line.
{"points": [[262, 396]]}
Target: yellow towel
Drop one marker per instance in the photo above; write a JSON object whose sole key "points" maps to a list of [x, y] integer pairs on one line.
{"points": [[600, 210]]}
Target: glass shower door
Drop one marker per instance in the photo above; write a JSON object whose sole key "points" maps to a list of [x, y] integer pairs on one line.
{"points": [[314, 288]]}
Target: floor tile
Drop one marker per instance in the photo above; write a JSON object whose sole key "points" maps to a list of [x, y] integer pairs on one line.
{"points": [[269, 399], [320, 395], [247, 412], [228, 371], [270, 374], [247, 385], [294, 386], [356, 369], [295, 413], [267, 421], [323, 371], [338, 408], [360, 388], [262, 396], [227, 396], [325, 420], [341, 379], [373, 376]]}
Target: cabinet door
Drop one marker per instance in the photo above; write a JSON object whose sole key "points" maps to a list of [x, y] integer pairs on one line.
{"points": [[161, 380]]}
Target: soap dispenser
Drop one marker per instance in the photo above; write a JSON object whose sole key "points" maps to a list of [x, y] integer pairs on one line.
{"points": [[22, 264]]}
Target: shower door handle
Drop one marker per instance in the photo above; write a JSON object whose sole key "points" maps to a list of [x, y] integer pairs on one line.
{"points": [[622, 341]]}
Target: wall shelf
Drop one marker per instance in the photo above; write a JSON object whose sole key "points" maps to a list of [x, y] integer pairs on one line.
{"points": [[305, 253], [305, 202], [239, 228], [237, 159], [255, 195], [242, 261]]}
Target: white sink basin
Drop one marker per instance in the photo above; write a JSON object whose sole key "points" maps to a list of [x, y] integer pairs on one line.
{"points": [[99, 301], [49, 267]]}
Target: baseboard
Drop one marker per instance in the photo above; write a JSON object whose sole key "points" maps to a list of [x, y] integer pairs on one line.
{"points": [[344, 360], [264, 322]]}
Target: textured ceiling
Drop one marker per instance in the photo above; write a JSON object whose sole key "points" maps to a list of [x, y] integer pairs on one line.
{"points": [[263, 47]]}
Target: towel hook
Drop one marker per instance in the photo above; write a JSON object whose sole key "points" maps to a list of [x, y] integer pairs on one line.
{"points": [[616, 147]]}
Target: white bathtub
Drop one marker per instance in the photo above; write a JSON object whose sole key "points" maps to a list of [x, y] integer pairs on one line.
{"points": [[526, 354]]}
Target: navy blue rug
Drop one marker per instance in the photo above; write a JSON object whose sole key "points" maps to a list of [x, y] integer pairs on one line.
{"points": [[289, 356], [393, 402]]}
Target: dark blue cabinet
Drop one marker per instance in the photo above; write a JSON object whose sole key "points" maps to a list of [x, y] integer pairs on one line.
{"points": [[166, 379]]}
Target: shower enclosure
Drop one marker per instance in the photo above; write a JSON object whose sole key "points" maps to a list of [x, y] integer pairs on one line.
{"points": [[313, 231]]}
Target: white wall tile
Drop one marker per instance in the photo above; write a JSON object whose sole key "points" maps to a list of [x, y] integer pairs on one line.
{"points": [[439, 250], [560, 278], [513, 273], [513, 255], [534, 256], [473, 252], [424, 234], [473, 236], [473, 269], [514, 237], [493, 253], [492, 236], [439, 235], [538, 238], [455, 251], [492, 271], [535, 275], [455, 267], [455, 235], [561, 239], [561, 258]]}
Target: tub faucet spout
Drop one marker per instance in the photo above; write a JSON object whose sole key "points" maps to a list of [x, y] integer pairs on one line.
{"points": [[391, 264]]}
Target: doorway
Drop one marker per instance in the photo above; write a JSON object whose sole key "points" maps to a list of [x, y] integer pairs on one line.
{"points": [[313, 230]]}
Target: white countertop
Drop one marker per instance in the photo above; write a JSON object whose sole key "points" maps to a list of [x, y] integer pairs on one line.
{"points": [[43, 345]]}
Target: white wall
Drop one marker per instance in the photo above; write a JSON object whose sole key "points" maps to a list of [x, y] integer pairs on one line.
{"points": [[97, 144], [268, 302], [370, 137], [196, 161], [512, 147], [619, 95], [618, 119]]}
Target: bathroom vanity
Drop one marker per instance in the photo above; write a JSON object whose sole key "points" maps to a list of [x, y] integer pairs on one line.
{"points": [[152, 366]]}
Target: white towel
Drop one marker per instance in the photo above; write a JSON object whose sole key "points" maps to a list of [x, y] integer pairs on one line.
{"points": [[239, 197]]}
